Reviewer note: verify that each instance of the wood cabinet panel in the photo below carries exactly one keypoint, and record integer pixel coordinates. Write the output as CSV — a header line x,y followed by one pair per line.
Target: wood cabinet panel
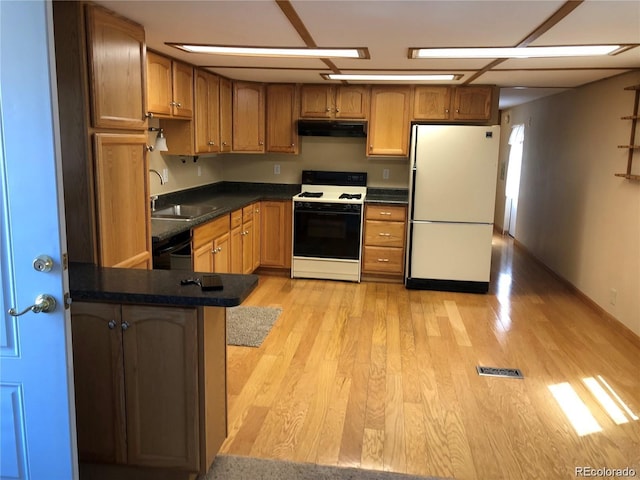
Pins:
x,y
386,212
334,101
388,133
316,101
182,90
247,247
159,84
222,254
122,198
384,234
210,230
431,103
161,371
352,101
201,258
99,382
472,103
282,132
383,260
248,117
116,53
384,240
207,112
169,87
257,235
236,249
226,115
276,234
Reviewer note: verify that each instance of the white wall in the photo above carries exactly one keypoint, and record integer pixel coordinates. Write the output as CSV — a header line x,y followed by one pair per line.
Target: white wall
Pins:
x,y
574,214
316,153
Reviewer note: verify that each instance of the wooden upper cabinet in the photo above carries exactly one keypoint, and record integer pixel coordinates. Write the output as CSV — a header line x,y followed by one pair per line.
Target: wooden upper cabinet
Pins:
x,y
207,112
472,103
432,103
248,117
352,101
169,87
116,52
122,200
159,88
334,101
226,115
282,133
182,90
388,133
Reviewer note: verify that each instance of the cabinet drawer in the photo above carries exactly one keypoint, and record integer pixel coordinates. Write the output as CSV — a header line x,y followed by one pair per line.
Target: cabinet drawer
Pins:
x,y
247,213
383,259
384,212
236,218
384,234
207,232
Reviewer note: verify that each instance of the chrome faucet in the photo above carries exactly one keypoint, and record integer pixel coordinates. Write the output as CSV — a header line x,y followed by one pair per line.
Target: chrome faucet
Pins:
x,y
154,198
159,176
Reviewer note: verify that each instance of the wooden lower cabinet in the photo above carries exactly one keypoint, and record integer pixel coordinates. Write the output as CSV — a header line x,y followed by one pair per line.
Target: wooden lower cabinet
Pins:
x,y
276,234
211,246
150,384
384,240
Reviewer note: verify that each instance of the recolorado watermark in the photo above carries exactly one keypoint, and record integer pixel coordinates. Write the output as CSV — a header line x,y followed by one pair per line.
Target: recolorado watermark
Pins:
x,y
591,472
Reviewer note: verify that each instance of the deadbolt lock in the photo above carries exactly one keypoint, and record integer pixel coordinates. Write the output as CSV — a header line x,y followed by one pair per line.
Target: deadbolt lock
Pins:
x,y
43,263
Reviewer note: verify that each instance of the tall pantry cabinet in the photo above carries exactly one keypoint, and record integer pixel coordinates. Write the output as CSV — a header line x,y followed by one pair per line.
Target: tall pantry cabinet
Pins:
x,y
100,64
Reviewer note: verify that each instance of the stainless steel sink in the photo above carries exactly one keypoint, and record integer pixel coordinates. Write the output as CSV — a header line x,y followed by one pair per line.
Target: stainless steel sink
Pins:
x,y
183,212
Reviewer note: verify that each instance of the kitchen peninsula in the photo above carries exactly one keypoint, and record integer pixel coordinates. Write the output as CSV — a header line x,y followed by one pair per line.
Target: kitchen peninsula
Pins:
x,y
150,369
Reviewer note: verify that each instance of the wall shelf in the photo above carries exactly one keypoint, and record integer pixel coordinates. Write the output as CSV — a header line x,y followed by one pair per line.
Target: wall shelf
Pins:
x,y
632,147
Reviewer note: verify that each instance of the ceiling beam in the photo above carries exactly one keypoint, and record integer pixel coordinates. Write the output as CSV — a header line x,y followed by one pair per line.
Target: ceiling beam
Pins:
x,y
297,23
550,22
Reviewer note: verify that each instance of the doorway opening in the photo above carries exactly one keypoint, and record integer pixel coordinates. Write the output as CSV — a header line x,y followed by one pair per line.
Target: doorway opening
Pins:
x,y
512,188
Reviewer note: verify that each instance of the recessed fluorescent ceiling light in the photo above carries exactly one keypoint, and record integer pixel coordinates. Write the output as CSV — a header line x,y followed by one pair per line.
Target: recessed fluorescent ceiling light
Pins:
x,y
405,78
275,51
523,52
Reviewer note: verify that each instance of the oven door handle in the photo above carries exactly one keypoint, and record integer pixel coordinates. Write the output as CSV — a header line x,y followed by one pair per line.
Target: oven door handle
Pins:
x,y
173,248
328,214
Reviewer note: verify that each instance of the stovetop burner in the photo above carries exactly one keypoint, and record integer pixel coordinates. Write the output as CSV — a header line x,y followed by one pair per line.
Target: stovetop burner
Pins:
x,y
311,194
351,196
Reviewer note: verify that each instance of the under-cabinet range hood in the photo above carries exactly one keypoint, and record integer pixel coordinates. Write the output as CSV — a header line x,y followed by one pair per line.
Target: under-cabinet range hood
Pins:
x,y
332,128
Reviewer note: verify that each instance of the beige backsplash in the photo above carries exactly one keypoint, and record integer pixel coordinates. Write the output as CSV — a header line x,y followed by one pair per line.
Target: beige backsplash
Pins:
x,y
316,153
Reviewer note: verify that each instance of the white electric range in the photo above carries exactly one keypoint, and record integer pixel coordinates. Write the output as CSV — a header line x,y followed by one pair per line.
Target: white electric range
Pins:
x,y
327,225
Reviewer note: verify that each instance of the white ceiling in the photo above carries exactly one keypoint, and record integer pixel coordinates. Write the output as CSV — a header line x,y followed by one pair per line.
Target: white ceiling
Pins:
x,y
388,28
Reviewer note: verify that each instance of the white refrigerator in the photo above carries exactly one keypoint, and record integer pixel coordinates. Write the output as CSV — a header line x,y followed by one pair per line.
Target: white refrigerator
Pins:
x,y
452,187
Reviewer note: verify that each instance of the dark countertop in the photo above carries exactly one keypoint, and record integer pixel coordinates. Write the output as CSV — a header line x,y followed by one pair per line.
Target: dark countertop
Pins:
x,y
229,197
156,287
387,195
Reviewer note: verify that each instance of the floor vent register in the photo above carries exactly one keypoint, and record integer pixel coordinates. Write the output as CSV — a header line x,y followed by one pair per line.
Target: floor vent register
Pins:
x,y
499,372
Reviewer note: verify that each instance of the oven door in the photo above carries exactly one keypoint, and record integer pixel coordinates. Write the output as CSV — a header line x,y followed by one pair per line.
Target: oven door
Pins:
x,y
327,230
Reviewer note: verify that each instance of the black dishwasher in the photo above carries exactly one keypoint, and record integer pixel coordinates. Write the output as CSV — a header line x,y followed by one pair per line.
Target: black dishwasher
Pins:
x,y
173,252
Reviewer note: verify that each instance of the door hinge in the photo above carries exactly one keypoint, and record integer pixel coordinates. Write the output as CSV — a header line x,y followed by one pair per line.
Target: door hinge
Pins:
x,y
65,261
67,300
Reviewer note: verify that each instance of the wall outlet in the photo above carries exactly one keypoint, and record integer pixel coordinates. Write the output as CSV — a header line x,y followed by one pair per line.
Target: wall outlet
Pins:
x,y
385,174
199,171
165,175
613,296
276,169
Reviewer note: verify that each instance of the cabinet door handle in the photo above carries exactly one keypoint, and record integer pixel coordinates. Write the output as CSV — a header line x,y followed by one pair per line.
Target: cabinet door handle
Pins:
x,y
383,259
384,234
178,105
212,143
111,324
124,325
261,143
385,213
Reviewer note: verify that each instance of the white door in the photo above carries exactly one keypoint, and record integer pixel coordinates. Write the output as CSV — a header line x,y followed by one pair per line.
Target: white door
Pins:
x,y
456,170
36,378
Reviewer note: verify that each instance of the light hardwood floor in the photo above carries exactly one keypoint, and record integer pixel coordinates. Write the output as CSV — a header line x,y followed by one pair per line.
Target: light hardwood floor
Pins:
x,y
375,376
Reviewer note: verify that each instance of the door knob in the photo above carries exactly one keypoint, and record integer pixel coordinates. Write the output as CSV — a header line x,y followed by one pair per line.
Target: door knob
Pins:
x,y
44,303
